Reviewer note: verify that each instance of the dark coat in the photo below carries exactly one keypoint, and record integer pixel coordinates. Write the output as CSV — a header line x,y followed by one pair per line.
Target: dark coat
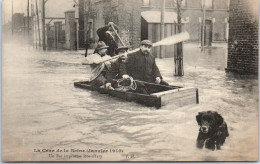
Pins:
x,y
116,71
142,67
103,36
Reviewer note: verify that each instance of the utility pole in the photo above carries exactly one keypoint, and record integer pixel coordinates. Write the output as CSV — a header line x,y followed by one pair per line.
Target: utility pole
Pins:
x,y
179,57
43,25
203,27
37,17
28,18
12,18
87,44
162,26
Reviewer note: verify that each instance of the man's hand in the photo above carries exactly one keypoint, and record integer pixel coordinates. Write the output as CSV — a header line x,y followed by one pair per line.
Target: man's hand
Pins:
x,y
157,80
109,86
105,59
110,23
125,76
110,35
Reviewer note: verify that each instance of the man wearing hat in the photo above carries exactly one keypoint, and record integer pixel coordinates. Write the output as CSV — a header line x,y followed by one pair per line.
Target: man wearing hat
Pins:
x,y
116,71
107,35
141,65
98,64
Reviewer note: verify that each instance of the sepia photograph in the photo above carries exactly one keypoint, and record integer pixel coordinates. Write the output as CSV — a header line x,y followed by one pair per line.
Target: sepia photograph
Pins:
x,y
130,80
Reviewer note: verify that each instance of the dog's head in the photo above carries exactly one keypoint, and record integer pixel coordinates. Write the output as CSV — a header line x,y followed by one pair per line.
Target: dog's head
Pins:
x,y
209,121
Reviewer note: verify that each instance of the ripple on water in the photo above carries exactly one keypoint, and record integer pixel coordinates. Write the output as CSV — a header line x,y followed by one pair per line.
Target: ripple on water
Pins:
x,y
39,94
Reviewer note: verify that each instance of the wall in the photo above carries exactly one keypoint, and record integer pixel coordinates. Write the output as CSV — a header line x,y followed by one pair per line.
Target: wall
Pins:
x,y
126,14
70,30
53,9
81,35
193,10
129,22
243,37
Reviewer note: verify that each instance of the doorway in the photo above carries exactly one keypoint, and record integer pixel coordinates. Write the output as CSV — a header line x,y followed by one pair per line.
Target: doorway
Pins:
x,y
207,33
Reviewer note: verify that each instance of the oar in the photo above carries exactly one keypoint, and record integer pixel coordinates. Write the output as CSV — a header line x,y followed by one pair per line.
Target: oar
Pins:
x,y
180,37
118,35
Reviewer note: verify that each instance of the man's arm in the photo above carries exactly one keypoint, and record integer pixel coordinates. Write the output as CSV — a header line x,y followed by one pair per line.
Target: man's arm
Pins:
x,y
92,59
156,72
112,72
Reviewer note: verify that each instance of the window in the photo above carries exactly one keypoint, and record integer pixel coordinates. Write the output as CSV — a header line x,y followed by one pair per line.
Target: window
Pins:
x,y
86,6
208,4
228,4
146,2
183,3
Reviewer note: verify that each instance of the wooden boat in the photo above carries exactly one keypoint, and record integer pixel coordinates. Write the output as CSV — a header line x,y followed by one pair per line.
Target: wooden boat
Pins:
x,y
160,94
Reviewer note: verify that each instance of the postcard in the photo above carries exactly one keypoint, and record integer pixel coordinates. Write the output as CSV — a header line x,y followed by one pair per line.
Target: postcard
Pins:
x,y
129,80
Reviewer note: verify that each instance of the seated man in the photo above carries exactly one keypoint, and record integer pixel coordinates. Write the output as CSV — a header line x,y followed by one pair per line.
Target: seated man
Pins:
x,y
99,64
141,66
116,69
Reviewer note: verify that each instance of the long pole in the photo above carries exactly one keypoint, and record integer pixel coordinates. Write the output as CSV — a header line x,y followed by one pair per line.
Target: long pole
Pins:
x,y
28,18
167,41
203,27
179,62
43,25
35,32
12,18
121,41
38,22
162,26
87,29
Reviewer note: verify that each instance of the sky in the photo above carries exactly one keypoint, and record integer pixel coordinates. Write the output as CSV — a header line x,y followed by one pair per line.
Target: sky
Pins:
x,y
19,6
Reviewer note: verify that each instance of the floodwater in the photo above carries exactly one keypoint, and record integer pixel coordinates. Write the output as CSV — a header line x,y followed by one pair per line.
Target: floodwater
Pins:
x,y
42,111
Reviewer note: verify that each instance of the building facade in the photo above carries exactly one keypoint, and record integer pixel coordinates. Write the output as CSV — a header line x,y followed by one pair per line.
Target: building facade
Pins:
x,y
21,26
140,19
216,17
136,19
243,37
61,25
126,14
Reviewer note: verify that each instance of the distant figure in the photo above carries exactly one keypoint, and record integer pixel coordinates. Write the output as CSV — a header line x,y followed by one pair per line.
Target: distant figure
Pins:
x,y
99,65
87,45
87,42
107,35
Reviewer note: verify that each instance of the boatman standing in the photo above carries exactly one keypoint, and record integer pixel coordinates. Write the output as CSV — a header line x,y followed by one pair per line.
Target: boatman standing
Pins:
x,y
99,64
107,35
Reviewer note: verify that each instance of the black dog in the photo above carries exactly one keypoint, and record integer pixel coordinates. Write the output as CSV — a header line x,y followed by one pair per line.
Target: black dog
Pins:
x,y
213,130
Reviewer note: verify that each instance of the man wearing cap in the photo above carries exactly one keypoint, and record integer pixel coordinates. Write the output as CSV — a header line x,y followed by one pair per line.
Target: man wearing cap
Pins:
x,y
117,68
98,64
107,35
141,65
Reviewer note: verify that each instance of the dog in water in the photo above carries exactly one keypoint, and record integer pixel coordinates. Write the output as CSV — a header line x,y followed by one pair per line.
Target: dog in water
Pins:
x,y
213,130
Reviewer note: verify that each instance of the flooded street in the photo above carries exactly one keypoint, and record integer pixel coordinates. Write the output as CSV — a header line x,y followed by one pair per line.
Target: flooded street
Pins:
x,y
43,110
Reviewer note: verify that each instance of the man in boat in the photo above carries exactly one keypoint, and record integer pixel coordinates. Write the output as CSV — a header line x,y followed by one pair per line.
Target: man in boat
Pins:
x,y
100,63
141,65
116,69
107,35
